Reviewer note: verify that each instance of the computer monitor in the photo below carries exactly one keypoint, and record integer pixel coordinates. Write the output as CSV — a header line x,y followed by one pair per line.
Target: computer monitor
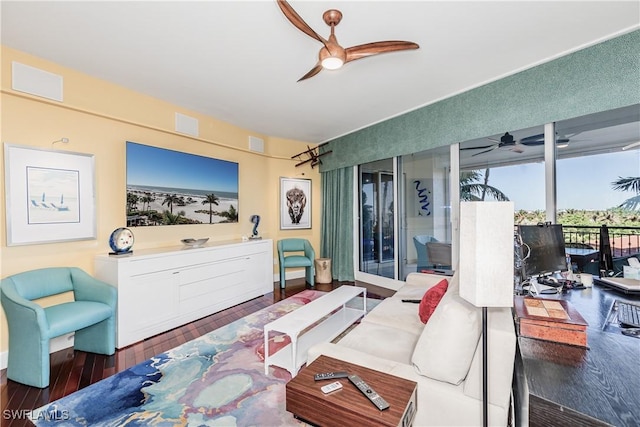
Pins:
x,y
545,243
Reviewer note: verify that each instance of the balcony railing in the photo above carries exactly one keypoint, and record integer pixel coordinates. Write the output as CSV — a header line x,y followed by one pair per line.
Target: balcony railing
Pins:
x,y
624,241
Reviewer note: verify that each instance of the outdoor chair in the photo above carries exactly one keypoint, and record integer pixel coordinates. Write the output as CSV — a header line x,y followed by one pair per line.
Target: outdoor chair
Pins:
x,y
420,243
439,254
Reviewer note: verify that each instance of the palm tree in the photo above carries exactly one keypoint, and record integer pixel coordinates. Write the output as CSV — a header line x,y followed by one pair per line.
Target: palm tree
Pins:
x,y
169,200
171,219
146,200
231,215
132,202
629,184
472,190
211,199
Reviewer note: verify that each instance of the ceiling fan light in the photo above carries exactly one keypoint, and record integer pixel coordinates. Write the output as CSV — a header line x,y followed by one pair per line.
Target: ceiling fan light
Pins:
x,y
562,144
332,63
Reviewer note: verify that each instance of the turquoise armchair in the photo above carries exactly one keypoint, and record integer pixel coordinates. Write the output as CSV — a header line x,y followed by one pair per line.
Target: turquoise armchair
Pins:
x,y
420,242
298,260
91,315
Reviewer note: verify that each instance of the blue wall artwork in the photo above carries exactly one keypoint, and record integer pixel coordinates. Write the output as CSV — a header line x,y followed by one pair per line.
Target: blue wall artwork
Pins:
x,y
423,197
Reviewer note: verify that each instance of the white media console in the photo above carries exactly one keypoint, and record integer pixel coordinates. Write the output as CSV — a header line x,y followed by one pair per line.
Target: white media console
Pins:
x,y
160,289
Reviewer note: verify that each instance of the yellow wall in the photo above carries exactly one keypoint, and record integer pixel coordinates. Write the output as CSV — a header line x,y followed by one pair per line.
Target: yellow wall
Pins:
x,y
98,117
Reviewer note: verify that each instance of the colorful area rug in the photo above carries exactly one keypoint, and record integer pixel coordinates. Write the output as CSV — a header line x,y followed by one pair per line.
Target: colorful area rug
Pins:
x,y
215,380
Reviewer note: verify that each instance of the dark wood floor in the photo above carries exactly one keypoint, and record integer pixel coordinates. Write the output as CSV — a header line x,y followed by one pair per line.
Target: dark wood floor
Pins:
x,y
73,370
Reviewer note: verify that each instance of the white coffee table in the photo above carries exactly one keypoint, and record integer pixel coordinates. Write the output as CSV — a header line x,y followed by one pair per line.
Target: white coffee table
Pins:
x,y
320,320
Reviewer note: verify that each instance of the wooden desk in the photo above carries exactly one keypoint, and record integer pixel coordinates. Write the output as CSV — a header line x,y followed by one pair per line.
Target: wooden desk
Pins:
x,y
348,406
563,385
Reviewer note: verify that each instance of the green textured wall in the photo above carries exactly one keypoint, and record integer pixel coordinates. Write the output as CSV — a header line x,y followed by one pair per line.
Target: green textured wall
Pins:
x,y
595,79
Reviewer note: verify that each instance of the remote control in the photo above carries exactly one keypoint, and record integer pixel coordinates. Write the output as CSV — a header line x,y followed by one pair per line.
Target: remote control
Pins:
x,y
631,332
330,375
374,397
331,387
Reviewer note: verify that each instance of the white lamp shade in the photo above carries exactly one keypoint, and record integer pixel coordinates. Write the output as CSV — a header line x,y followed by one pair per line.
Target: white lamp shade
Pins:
x,y
485,268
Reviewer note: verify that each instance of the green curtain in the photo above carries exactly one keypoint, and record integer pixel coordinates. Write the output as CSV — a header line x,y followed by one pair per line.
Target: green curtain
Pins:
x,y
336,233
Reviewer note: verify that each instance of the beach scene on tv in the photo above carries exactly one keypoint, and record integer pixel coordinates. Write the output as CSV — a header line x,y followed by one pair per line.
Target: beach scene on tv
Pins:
x,y
167,187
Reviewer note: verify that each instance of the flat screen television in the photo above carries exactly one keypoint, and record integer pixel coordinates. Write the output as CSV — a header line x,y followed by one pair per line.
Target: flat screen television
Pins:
x,y
545,243
167,187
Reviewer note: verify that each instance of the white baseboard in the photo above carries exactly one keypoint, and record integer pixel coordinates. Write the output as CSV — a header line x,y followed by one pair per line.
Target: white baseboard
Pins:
x,y
56,344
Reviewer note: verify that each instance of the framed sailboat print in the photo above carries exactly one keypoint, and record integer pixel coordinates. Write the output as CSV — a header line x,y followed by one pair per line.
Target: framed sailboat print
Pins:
x,y
50,195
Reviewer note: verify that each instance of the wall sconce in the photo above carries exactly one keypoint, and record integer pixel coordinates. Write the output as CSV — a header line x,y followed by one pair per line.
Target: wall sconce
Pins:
x,y
63,140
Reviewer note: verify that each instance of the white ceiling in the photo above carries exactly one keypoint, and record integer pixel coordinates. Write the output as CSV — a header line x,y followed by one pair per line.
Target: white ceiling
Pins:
x,y
239,61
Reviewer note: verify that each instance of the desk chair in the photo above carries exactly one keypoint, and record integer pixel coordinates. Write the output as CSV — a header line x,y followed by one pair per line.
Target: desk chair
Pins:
x,y
91,316
306,259
439,254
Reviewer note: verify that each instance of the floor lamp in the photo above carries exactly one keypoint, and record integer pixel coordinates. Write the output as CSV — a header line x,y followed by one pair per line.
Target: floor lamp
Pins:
x,y
486,267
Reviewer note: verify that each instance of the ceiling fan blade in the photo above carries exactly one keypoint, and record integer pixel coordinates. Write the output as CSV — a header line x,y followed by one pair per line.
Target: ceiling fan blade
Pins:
x,y
477,148
532,144
298,22
485,151
315,70
368,49
539,140
517,148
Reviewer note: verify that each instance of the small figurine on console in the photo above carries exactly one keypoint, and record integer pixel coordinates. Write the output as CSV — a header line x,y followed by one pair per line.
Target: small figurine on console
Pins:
x,y
255,219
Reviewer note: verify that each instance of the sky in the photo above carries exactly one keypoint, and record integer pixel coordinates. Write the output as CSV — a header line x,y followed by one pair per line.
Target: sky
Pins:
x,y
151,166
582,182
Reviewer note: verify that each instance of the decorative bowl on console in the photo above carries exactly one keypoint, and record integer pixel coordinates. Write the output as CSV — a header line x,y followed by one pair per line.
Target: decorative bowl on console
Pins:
x,y
194,243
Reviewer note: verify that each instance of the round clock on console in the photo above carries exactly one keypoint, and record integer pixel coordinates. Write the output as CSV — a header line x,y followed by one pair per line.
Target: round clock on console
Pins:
x,y
121,241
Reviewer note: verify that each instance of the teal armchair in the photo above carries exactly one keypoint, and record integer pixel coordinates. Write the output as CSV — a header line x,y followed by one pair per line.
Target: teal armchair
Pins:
x,y
306,259
420,243
91,316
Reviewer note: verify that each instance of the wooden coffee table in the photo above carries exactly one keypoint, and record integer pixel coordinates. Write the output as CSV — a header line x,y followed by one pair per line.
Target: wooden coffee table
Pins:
x,y
349,406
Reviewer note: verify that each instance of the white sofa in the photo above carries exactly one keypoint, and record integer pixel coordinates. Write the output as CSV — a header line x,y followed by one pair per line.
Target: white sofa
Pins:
x,y
443,356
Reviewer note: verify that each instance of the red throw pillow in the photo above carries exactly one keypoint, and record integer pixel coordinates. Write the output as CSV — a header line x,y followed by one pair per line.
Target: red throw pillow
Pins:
x,y
431,299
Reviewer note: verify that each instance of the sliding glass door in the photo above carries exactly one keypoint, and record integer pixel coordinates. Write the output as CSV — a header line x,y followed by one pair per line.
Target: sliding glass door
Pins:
x,y
377,220
425,214
403,202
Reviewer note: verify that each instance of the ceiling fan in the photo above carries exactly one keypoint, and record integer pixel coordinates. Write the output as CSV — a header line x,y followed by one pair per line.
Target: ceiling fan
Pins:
x,y
506,140
333,56
516,146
